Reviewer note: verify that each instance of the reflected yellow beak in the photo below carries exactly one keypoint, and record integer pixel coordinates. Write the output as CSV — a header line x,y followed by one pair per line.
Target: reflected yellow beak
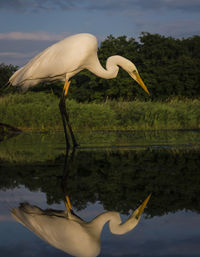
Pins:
x,y
137,77
142,206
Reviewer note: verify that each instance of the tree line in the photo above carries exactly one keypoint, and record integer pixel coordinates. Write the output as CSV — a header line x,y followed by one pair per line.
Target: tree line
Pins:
x,y
169,67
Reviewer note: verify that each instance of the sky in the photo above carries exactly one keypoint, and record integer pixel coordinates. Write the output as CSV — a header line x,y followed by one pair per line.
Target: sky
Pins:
x,y
29,26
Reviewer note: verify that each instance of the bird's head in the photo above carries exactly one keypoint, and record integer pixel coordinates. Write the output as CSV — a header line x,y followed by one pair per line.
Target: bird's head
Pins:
x,y
133,72
129,67
119,228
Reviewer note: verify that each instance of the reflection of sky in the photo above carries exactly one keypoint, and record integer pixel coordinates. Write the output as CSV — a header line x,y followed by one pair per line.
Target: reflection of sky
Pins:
x,y
176,235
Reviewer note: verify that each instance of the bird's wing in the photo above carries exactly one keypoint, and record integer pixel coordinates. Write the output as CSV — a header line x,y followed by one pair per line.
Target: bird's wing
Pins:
x,y
68,55
63,233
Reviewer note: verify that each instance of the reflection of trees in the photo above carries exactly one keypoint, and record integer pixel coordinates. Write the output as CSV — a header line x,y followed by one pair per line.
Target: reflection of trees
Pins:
x,y
117,179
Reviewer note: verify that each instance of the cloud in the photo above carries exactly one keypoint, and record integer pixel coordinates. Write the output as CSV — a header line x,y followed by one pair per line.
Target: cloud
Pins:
x,y
16,55
192,5
19,47
4,218
40,36
179,29
184,5
105,5
35,5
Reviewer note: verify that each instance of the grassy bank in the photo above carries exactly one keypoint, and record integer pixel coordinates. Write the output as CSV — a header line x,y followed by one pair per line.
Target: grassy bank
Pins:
x,y
39,111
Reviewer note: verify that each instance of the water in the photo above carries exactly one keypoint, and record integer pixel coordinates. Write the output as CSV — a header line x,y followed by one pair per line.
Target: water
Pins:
x,y
111,172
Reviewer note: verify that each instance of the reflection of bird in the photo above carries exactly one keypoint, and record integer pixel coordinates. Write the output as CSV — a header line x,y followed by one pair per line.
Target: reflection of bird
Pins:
x,y
66,58
66,231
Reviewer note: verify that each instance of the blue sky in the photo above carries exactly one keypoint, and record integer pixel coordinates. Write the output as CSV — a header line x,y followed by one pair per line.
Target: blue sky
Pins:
x,y
29,26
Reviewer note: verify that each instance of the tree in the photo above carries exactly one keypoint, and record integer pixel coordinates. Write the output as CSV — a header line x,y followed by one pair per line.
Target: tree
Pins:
x,y
6,72
171,66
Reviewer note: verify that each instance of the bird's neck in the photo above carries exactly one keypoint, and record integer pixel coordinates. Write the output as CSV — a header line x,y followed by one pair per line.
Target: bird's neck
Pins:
x,y
98,223
115,223
112,68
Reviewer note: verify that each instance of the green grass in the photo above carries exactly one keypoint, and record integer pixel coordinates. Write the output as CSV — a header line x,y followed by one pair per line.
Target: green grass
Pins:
x,y
40,112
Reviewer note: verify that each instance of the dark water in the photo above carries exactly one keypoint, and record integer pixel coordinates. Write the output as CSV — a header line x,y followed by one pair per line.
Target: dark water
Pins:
x,y
111,172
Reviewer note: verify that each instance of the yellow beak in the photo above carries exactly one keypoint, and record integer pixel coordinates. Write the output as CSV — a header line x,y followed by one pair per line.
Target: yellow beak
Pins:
x,y
137,77
142,206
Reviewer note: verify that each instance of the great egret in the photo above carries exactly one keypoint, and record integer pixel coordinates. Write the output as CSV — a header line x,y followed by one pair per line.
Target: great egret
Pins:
x,y
65,59
69,233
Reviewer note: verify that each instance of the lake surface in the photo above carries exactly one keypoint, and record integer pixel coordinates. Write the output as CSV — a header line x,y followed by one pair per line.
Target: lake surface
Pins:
x,y
112,171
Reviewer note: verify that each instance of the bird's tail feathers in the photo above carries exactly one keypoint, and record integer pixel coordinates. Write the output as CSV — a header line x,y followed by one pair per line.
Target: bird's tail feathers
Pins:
x,y
16,77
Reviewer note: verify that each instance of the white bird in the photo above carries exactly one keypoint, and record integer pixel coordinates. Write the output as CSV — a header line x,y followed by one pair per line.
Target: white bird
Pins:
x,y
65,59
69,233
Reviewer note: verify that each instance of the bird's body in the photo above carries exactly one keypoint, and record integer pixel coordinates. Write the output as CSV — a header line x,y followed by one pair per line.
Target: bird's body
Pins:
x,y
69,233
65,59
60,61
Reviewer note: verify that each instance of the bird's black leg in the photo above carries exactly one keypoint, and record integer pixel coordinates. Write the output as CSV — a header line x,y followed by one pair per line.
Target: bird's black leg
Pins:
x,y
65,90
75,144
68,166
64,123
65,173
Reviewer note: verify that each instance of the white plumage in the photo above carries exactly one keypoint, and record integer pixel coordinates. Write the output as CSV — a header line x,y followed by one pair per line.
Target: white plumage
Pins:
x,y
71,234
58,62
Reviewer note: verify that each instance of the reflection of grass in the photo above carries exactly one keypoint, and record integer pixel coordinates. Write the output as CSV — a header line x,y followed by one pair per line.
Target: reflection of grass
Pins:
x,y
7,131
29,148
39,111
35,147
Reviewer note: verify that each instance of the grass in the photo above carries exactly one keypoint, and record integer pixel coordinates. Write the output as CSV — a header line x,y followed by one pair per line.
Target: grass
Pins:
x,y
40,112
